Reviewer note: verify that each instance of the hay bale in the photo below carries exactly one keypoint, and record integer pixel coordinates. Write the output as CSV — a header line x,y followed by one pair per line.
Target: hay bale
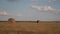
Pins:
x,y
11,20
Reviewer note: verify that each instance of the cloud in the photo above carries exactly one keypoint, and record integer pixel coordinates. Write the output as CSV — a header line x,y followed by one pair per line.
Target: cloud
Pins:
x,y
34,0
44,0
14,15
11,0
43,8
9,14
51,0
3,12
19,14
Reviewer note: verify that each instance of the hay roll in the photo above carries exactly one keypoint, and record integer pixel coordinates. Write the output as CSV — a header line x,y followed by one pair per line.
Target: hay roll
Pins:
x,y
11,20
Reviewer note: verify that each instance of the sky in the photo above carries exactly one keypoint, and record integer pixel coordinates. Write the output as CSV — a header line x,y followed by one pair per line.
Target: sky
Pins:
x,y
30,10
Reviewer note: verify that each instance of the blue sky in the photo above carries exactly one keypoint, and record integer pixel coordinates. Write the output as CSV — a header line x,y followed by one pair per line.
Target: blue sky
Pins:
x,y
28,10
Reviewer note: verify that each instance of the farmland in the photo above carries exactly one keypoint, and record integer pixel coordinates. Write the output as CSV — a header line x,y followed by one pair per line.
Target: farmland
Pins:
x,y
30,27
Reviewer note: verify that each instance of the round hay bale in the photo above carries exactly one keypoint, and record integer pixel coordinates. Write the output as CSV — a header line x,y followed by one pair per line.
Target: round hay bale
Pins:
x,y
11,20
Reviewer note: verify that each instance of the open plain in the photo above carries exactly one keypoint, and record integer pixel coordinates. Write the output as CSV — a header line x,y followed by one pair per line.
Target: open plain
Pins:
x,y
30,27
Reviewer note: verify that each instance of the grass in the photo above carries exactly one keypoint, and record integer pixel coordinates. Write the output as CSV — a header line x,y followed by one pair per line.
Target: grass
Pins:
x,y
30,27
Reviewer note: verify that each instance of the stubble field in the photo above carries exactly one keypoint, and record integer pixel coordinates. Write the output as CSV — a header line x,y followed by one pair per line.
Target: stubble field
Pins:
x,y
30,27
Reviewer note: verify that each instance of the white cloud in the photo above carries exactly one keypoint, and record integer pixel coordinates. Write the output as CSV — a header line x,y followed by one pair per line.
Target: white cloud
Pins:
x,y
9,14
14,15
3,12
19,15
48,8
51,0
44,0
43,8
34,0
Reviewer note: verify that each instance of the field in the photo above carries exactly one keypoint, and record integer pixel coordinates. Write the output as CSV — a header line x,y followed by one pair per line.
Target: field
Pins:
x,y
30,27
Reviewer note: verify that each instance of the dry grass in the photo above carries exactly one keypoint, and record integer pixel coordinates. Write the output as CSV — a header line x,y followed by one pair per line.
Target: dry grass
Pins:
x,y
32,27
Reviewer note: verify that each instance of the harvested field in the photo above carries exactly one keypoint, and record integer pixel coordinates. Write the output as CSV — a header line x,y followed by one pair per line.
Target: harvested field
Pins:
x,y
30,27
